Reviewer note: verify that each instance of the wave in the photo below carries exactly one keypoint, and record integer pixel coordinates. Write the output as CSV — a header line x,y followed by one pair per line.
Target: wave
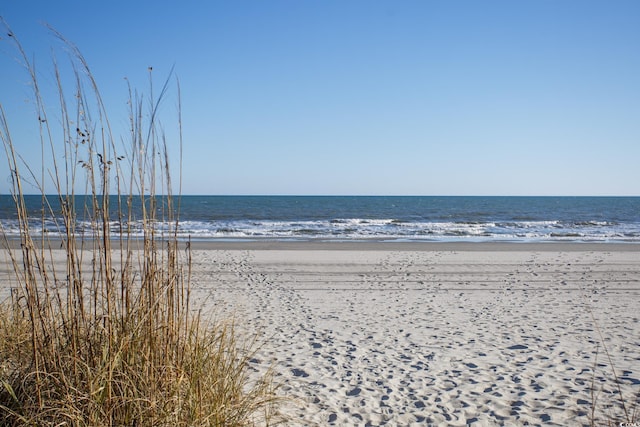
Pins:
x,y
361,228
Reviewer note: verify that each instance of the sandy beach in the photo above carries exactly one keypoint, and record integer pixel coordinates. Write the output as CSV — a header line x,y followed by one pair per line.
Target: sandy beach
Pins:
x,y
442,334
401,334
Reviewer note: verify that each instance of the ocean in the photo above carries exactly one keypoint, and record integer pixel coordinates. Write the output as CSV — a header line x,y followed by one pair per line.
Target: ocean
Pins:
x,y
385,218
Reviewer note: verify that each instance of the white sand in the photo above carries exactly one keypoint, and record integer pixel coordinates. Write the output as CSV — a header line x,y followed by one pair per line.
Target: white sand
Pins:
x,y
442,334
485,335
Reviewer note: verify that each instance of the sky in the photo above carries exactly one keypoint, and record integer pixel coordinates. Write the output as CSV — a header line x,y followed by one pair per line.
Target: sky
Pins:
x,y
355,97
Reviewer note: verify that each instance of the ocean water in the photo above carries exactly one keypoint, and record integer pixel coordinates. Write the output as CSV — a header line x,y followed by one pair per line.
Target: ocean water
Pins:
x,y
388,218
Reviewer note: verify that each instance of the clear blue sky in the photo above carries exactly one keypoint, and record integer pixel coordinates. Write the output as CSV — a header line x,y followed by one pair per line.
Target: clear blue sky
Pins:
x,y
538,97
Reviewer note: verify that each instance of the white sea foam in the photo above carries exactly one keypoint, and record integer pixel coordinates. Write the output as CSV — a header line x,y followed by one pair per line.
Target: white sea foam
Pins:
x,y
358,228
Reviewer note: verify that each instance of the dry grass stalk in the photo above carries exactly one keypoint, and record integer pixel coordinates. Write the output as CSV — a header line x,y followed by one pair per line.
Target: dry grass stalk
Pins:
x,y
101,332
609,405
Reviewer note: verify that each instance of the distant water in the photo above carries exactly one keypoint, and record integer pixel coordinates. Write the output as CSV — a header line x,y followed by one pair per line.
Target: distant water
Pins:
x,y
393,218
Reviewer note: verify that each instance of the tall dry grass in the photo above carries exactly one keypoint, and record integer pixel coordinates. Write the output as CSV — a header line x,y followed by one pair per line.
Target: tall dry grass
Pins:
x,y
100,329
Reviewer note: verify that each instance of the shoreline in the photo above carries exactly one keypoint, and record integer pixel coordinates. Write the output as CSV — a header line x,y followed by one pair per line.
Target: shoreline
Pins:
x,y
371,245
384,245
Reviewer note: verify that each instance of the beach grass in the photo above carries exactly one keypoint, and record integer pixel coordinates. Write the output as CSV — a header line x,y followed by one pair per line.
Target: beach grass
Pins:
x,y
610,406
100,328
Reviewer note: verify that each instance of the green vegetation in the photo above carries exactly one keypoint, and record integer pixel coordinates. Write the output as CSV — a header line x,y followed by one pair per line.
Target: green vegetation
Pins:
x,y
100,329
